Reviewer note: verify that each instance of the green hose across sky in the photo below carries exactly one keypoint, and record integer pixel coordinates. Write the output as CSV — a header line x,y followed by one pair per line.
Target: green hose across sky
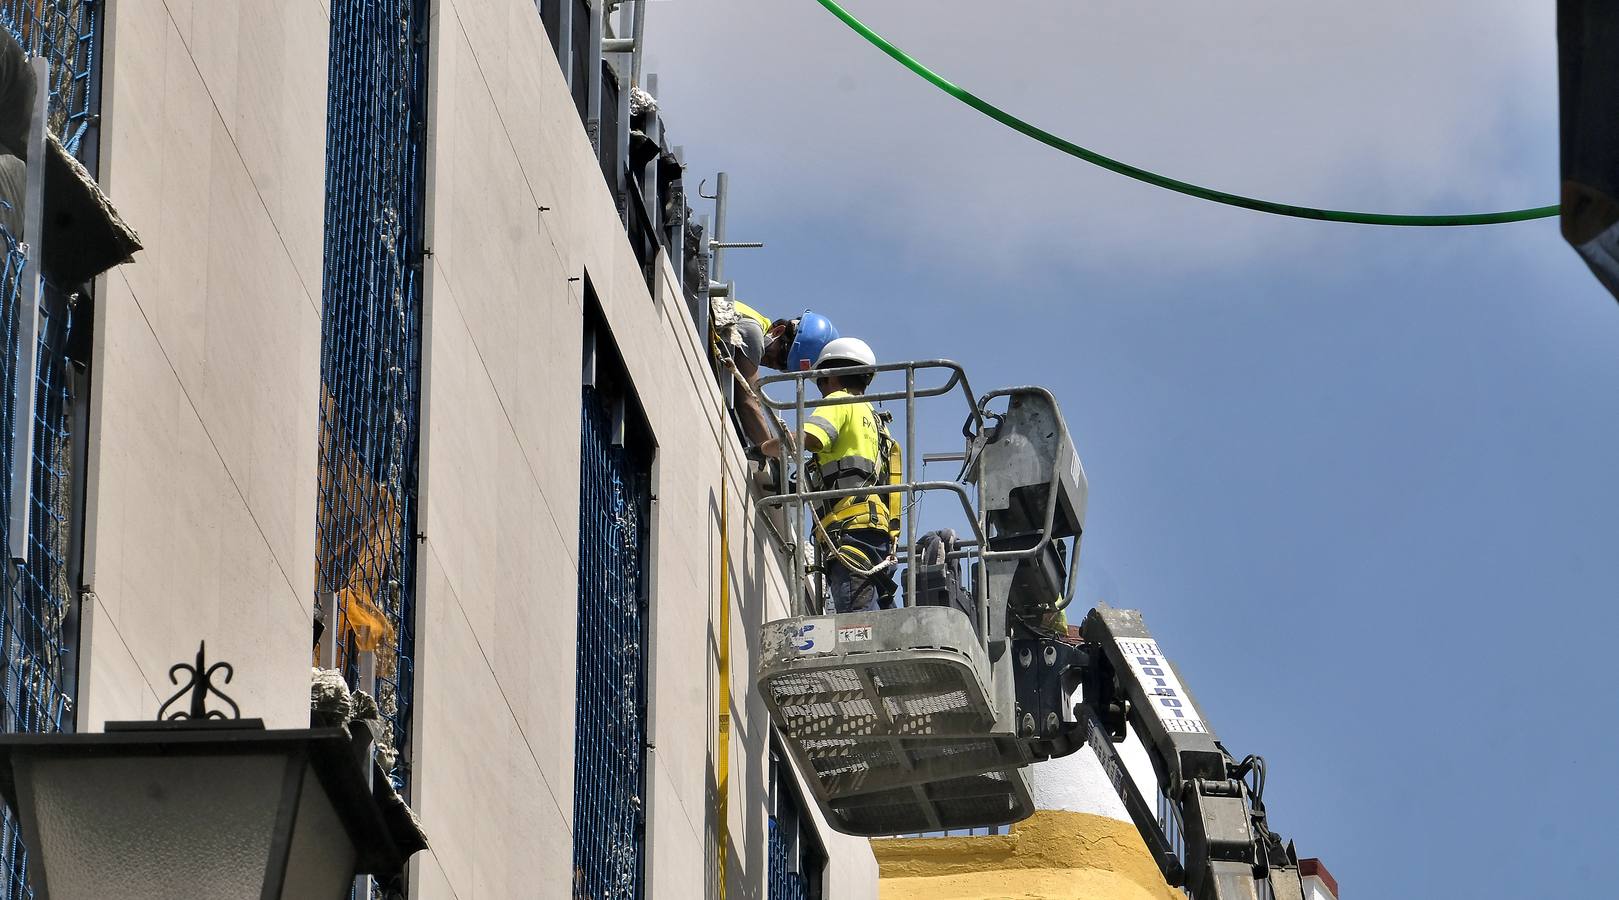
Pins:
x,y
1191,190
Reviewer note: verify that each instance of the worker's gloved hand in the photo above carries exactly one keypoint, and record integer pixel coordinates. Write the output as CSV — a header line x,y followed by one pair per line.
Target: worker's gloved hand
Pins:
x,y
755,454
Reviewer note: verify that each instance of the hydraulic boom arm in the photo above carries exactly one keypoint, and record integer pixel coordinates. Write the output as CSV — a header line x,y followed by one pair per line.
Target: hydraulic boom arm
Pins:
x,y
1229,851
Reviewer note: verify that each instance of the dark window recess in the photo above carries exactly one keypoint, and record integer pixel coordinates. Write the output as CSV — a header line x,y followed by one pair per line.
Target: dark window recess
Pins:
x,y
583,58
610,736
612,149
551,17
796,860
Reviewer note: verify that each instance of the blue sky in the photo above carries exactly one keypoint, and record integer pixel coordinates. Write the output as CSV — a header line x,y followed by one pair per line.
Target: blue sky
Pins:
x,y
1360,481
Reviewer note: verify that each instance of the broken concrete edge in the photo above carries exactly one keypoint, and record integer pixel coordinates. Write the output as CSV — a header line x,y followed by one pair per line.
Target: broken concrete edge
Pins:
x,y
84,235
332,703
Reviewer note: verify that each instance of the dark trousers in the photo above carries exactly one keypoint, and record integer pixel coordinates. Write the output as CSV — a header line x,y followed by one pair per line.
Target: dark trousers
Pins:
x,y
852,591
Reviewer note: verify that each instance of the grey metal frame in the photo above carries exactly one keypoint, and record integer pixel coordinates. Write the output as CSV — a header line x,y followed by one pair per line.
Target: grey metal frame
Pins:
x,y
27,362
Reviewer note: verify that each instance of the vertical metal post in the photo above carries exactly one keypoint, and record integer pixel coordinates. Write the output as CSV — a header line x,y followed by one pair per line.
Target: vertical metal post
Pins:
x,y
368,669
328,635
716,265
564,42
368,683
651,176
981,577
716,269
638,33
27,361
621,144
910,479
799,579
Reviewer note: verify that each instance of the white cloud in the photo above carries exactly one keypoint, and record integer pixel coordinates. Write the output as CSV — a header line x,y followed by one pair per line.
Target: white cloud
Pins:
x,y
1382,105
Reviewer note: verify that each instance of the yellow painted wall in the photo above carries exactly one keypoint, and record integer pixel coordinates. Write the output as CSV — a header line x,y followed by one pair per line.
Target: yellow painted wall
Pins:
x,y
1053,855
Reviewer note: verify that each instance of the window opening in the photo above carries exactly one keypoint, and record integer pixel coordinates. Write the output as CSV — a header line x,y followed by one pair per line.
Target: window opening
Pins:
x,y
371,341
797,860
39,612
610,736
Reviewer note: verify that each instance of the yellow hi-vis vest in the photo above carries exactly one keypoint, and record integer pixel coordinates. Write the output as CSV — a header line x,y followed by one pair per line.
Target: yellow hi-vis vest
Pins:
x,y
748,312
744,311
856,451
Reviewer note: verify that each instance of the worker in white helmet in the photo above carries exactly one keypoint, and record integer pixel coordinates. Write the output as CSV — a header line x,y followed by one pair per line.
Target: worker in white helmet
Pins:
x,y
852,448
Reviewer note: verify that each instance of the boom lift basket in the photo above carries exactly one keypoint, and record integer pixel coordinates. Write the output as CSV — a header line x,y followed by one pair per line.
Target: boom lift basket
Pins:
x,y
907,719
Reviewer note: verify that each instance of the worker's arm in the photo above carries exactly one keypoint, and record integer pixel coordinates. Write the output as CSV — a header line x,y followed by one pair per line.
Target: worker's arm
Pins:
x,y
820,431
772,447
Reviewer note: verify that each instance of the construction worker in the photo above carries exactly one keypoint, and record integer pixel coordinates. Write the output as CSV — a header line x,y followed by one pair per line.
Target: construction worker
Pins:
x,y
788,345
852,448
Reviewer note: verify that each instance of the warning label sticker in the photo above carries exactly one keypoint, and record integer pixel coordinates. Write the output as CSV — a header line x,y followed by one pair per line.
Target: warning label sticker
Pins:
x,y
854,633
1169,699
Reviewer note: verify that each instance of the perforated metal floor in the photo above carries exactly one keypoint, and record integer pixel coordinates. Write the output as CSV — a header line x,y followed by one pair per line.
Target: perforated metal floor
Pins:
x,y
989,798
894,727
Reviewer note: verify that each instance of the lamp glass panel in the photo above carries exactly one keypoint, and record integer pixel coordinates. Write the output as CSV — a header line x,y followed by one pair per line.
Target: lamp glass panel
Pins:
x,y
155,827
321,864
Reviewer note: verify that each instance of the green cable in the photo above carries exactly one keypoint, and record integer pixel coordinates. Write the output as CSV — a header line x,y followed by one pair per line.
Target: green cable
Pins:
x,y
1129,171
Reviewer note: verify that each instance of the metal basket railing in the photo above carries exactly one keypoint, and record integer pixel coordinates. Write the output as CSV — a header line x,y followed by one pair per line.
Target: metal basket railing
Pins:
x,y
797,497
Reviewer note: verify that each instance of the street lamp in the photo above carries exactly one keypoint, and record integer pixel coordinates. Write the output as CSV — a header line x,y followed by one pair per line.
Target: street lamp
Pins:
x,y
203,806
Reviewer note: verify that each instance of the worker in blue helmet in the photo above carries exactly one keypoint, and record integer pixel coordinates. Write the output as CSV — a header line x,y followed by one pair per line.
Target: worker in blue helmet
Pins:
x,y
787,345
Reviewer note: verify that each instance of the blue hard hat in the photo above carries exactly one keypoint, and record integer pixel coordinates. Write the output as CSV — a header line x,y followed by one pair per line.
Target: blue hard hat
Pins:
x,y
814,332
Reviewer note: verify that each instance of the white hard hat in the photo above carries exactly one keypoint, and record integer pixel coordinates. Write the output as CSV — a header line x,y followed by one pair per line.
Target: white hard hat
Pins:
x,y
846,350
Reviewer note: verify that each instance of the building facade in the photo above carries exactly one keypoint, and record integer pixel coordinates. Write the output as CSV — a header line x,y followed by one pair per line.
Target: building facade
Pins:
x,y
413,378
403,352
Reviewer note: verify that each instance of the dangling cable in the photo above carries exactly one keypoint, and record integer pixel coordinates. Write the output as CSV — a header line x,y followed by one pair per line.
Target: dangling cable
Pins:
x,y
1163,181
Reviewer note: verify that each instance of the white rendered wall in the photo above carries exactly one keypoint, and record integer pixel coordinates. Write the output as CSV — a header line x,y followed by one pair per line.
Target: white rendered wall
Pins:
x,y
1077,782
1316,889
205,382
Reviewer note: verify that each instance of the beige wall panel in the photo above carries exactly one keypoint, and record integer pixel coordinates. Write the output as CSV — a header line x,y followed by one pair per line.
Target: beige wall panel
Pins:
x,y
180,556
678,855
123,690
498,827
281,80
201,507
682,713
428,881
167,194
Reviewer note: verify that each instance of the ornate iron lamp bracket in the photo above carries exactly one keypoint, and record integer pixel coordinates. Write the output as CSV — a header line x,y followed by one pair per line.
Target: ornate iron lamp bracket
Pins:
x,y
199,687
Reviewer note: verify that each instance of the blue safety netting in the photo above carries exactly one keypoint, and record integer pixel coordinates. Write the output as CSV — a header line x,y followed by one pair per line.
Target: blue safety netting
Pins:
x,y
37,664
609,784
785,884
66,33
371,347
38,636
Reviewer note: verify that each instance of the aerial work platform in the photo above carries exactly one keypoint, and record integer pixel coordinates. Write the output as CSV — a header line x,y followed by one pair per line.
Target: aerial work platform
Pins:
x,y
906,719
925,717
